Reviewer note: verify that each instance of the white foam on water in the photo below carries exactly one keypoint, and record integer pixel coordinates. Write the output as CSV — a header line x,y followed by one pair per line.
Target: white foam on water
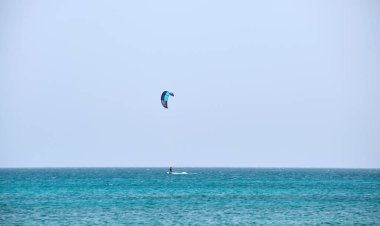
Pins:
x,y
177,173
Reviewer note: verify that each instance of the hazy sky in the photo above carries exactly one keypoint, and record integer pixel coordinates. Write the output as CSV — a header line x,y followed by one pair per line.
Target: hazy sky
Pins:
x,y
256,83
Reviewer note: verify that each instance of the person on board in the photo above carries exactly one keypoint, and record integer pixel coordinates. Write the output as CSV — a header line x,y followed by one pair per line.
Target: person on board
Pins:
x,y
170,170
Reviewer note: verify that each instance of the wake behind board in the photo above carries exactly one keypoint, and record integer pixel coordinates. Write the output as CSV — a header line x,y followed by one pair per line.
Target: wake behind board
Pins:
x,y
177,173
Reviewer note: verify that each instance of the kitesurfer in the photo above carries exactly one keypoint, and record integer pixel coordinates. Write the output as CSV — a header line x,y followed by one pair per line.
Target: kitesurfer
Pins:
x,y
170,170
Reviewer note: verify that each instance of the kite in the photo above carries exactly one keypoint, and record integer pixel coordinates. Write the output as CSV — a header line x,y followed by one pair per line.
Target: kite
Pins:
x,y
164,98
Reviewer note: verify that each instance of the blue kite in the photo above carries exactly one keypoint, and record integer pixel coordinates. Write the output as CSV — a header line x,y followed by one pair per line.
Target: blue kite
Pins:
x,y
164,98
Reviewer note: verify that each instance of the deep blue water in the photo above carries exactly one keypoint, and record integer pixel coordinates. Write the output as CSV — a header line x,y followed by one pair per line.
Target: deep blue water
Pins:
x,y
234,196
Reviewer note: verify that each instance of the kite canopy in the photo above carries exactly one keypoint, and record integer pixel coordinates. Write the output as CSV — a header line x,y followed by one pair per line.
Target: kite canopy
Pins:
x,y
164,98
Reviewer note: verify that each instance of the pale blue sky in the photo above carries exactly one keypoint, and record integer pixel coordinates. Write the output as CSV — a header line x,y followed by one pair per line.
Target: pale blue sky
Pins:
x,y
256,83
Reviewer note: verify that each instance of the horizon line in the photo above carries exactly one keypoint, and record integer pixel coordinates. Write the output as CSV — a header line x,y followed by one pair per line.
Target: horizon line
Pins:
x,y
164,167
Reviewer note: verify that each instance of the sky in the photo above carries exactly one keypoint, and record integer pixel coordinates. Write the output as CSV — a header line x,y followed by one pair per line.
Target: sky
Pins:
x,y
257,83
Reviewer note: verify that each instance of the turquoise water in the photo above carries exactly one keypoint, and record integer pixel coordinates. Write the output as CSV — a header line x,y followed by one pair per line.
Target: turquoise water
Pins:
x,y
117,196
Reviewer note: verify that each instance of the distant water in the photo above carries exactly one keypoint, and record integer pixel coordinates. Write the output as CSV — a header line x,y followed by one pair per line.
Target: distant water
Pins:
x,y
89,196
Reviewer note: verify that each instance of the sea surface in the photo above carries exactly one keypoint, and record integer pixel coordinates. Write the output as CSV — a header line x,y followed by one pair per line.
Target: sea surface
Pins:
x,y
219,196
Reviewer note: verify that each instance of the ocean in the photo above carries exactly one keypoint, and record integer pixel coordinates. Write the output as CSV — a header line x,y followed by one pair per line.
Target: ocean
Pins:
x,y
217,196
